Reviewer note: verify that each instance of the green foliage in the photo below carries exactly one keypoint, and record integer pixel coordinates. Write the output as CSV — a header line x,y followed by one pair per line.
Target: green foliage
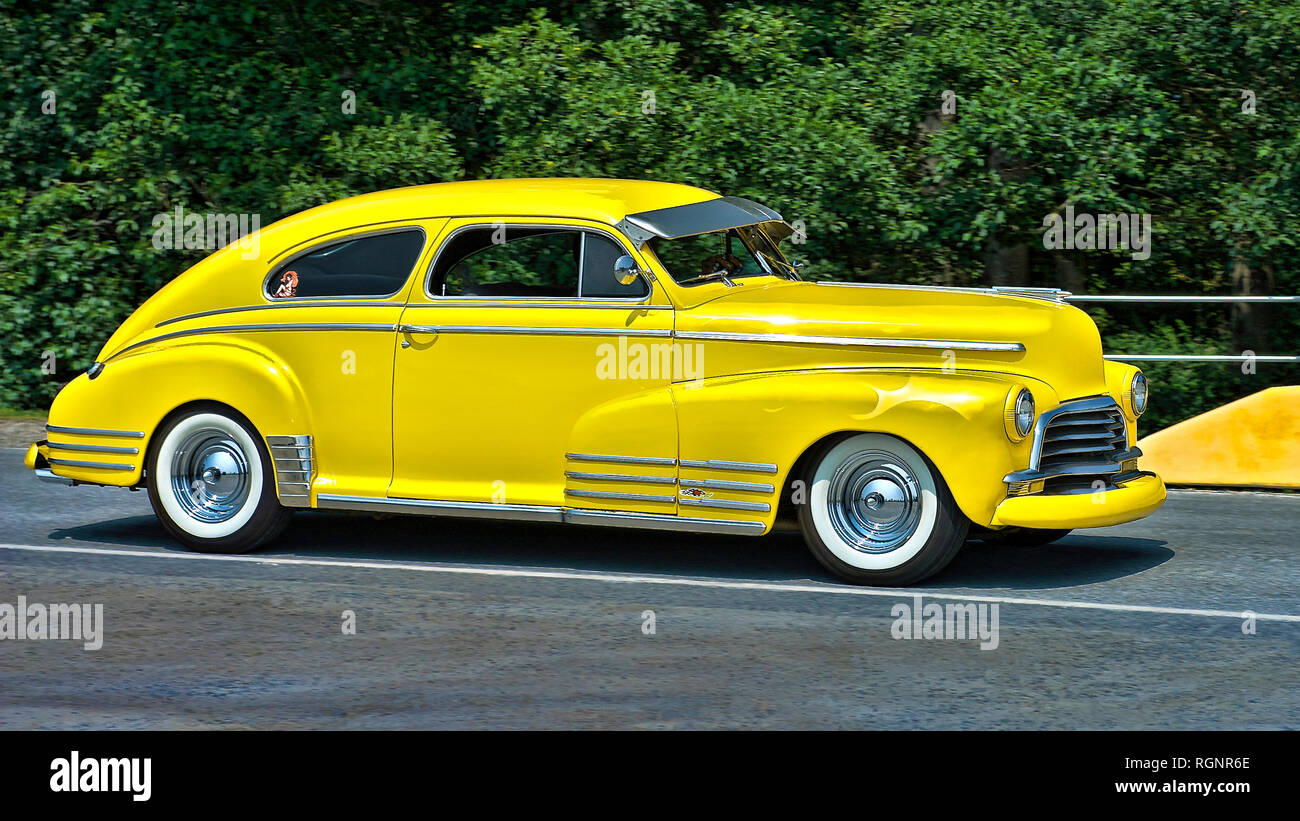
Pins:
x,y
830,113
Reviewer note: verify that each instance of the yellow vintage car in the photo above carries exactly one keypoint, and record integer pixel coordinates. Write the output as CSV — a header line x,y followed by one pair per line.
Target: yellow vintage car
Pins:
x,y
600,352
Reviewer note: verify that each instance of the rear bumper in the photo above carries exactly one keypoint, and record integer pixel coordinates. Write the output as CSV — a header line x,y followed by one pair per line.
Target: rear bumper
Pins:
x,y
1133,499
34,460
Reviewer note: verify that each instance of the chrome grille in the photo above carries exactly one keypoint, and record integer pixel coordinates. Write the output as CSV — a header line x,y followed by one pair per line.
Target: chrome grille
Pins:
x,y
1073,438
1075,445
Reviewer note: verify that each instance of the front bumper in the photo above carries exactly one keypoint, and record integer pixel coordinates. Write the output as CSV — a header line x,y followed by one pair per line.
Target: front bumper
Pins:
x,y
1132,499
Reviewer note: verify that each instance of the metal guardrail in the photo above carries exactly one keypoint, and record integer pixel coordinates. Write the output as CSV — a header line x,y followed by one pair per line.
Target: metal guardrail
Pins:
x,y
1065,295
1177,357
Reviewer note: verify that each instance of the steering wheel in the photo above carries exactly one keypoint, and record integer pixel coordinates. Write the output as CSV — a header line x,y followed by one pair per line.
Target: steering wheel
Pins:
x,y
720,264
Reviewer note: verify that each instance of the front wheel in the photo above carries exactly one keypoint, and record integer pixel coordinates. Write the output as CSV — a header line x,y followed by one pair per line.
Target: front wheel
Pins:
x,y
211,483
878,512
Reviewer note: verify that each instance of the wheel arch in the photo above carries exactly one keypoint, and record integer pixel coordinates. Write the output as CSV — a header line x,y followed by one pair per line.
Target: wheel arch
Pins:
x,y
955,420
145,390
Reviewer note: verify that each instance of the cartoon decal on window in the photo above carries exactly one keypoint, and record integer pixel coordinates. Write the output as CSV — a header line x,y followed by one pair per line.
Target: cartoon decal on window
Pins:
x,y
288,285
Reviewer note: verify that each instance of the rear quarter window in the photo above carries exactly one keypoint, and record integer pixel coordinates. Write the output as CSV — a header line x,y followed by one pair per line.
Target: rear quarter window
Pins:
x,y
376,265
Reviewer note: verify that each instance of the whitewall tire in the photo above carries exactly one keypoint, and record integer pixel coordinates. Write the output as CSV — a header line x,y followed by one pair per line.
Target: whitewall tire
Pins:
x,y
878,512
211,483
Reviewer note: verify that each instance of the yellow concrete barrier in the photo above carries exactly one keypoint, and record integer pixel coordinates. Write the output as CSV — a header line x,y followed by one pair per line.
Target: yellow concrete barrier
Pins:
x,y
1253,442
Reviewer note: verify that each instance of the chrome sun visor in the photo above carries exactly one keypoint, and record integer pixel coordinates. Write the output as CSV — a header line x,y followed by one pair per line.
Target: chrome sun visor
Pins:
x,y
701,218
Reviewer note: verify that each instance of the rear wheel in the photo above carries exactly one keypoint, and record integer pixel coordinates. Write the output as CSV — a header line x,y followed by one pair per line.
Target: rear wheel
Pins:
x,y
878,512
211,483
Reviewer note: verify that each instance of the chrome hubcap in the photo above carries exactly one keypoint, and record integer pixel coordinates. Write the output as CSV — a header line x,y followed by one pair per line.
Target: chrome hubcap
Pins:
x,y
210,475
874,501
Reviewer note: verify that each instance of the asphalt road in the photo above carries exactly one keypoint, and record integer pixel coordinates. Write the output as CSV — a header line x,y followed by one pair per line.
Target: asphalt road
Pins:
x,y
463,624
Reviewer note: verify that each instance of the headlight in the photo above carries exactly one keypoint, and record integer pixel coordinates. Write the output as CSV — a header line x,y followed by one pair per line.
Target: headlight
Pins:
x,y
1137,393
1019,413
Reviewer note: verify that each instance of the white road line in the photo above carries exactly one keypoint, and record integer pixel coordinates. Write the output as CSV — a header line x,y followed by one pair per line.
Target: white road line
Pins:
x,y
628,578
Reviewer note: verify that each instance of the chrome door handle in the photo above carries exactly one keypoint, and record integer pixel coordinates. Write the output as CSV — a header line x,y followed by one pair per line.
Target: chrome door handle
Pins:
x,y
415,329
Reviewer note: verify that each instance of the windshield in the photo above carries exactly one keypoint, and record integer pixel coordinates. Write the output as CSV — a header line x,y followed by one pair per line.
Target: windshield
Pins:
x,y
721,255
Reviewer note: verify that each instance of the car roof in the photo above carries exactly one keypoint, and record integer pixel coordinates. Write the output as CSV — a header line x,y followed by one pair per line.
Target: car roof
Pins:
x,y
600,200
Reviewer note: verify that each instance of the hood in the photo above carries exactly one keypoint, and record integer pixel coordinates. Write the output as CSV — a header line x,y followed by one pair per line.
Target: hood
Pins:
x,y
1061,344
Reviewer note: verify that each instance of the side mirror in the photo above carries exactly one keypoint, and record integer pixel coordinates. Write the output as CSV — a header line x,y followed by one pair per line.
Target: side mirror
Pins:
x,y
626,270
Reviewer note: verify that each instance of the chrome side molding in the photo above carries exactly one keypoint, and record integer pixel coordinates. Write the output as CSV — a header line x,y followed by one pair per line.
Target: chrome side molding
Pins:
x,y
586,303
723,464
292,459
92,448
623,497
854,341
323,302
125,434
428,507
726,484
626,460
539,513
288,326
78,463
619,477
536,330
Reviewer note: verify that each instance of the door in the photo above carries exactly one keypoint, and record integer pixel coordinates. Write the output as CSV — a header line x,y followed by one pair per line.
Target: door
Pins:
x,y
527,374
328,312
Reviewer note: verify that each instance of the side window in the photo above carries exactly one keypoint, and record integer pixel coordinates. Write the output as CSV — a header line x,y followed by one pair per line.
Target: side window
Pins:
x,y
375,265
509,262
598,255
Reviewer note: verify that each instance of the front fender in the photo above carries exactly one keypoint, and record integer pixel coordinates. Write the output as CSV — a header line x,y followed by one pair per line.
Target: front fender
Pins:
x,y
134,393
955,419
1118,375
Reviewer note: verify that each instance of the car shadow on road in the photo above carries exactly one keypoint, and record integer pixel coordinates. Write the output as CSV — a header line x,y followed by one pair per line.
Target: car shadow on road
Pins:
x,y
1076,560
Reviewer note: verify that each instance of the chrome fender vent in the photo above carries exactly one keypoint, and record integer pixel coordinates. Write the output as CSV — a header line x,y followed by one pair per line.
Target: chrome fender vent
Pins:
x,y
292,458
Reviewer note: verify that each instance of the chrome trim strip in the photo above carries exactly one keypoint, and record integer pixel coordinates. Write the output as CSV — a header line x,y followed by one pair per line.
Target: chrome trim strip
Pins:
x,y
481,302
1049,294
289,326
526,330
125,434
654,521
626,460
291,459
722,464
727,504
541,513
620,477
47,475
853,341
626,497
428,507
77,463
723,484
92,448
369,303
1185,298
953,289
417,329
